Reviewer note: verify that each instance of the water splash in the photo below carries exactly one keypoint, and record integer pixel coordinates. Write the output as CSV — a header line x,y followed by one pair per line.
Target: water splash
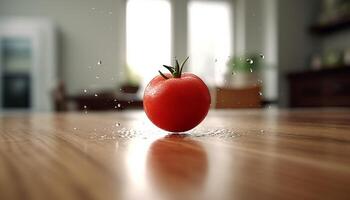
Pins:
x,y
128,133
218,133
250,61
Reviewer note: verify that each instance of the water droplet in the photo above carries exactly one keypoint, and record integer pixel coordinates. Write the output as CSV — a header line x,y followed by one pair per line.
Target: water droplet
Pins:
x,y
115,106
250,61
86,112
262,131
85,90
75,128
99,62
115,100
85,106
110,12
262,56
96,95
118,105
93,8
97,76
234,73
117,124
216,60
251,70
260,93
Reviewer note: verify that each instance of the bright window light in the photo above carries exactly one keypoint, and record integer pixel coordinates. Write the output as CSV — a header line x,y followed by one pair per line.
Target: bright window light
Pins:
x,y
148,32
210,39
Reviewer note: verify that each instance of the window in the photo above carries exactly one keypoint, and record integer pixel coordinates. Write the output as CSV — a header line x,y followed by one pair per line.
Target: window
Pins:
x,y
148,32
210,39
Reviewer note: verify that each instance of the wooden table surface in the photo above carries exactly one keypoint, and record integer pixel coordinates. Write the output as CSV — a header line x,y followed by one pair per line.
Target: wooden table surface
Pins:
x,y
251,154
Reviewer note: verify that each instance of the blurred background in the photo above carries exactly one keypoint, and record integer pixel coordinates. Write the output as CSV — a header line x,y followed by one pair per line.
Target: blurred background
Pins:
x,y
92,55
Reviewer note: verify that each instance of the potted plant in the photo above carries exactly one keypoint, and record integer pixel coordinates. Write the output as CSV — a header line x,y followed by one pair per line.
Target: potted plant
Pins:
x,y
243,71
132,83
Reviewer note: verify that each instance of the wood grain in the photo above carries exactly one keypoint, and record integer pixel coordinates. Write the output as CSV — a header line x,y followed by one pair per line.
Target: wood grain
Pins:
x,y
248,154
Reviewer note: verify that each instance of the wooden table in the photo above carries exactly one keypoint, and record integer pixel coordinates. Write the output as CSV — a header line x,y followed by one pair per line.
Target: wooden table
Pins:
x,y
267,154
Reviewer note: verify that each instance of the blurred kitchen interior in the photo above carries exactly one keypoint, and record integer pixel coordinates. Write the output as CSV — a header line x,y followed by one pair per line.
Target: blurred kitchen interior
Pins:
x,y
99,54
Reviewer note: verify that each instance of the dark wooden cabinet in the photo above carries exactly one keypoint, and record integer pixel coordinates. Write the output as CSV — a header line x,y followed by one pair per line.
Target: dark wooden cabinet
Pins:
x,y
325,88
107,101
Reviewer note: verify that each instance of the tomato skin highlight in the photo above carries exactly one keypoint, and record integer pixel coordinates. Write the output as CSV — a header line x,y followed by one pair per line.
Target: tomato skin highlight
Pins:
x,y
176,104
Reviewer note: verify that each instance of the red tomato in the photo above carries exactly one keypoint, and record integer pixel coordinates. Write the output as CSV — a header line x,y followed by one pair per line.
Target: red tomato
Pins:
x,y
176,102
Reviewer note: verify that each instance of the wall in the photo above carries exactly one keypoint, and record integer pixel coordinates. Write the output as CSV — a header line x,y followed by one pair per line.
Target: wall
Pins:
x,y
279,30
89,32
295,44
256,33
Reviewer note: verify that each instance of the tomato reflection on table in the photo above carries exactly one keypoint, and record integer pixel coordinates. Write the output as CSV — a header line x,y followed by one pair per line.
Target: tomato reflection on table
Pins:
x,y
177,163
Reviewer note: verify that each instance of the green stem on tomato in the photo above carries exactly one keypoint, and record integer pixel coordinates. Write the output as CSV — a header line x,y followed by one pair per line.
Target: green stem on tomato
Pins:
x,y
182,65
174,71
162,74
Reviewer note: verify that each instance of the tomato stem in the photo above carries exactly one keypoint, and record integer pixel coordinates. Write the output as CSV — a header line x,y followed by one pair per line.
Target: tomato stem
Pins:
x,y
162,74
175,71
182,65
